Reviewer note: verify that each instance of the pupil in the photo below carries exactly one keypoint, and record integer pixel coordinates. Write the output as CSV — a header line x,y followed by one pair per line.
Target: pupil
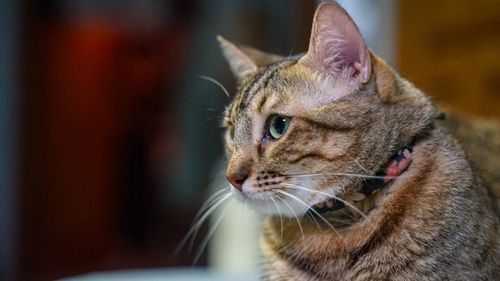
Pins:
x,y
280,125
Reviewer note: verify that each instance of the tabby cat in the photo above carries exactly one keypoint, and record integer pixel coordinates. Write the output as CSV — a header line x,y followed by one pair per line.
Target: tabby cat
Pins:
x,y
348,163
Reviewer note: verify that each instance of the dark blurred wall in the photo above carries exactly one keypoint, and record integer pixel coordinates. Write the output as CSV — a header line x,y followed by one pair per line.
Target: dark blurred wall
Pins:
x,y
119,136
9,123
99,89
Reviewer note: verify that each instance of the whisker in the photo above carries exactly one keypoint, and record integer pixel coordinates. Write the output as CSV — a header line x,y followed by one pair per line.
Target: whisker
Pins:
x,y
279,213
217,202
339,174
341,221
357,163
210,200
314,211
209,235
329,195
191,234
300,202
296,217
210,79
313,219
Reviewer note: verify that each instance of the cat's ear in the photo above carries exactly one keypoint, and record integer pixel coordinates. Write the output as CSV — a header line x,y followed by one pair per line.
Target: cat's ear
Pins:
x,y
244,60
336,47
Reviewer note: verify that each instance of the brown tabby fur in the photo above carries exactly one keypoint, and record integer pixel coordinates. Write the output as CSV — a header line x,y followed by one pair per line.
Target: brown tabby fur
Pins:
x,y
481,140
436,221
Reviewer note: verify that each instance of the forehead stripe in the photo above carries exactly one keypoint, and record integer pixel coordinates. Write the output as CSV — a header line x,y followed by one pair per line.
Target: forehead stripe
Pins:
x,y
261,80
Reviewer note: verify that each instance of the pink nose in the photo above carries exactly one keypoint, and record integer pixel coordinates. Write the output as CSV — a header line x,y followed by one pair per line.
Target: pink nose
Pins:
x,y
237,179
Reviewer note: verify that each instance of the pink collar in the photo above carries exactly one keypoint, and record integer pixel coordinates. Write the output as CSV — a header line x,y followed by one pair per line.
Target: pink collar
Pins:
x,y
396,166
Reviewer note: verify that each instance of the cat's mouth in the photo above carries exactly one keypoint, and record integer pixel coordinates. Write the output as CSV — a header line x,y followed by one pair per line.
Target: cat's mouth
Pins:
x,y
329,205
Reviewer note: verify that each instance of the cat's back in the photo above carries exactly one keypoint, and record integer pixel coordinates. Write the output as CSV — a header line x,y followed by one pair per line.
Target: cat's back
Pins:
x,y
481,140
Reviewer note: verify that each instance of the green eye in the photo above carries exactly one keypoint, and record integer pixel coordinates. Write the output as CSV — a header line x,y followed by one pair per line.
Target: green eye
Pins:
x,y
277,126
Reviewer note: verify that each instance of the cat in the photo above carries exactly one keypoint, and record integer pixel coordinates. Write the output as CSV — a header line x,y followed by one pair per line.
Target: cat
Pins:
x,y
351,168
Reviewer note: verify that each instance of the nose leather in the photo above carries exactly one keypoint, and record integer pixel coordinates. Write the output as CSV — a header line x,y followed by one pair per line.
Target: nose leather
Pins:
x,y
237,179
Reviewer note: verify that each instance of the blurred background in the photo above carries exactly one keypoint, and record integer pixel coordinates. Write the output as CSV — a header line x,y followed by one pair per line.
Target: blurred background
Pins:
x,y
110,142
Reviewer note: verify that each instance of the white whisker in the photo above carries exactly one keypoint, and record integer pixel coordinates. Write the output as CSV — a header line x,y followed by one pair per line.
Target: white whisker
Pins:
x,y
338,174
357,163
209,235
191,234
216,83
301,203
314,211
279,213
326,194
211,207
295,215
210,200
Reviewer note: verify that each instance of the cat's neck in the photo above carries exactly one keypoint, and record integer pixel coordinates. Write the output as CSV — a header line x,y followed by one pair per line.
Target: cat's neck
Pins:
x,y
362,197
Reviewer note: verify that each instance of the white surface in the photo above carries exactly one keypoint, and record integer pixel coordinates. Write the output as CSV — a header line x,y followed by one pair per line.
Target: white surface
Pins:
x,y
164,275
235,245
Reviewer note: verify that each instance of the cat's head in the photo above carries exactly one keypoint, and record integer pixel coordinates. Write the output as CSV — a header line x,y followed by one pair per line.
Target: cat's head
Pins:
x,y
299,128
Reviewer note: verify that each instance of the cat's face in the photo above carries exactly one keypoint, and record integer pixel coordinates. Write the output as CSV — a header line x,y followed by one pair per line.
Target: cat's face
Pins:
x,y
299,130
278,142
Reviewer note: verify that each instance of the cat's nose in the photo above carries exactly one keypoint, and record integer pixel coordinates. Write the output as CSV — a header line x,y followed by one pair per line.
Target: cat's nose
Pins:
x,y
237,179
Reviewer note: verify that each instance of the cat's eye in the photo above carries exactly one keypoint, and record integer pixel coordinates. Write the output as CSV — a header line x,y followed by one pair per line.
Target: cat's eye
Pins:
x,y
277,126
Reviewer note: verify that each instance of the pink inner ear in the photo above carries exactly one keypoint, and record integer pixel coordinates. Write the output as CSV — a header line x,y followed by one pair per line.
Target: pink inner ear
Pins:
x,y
337,47
339,53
